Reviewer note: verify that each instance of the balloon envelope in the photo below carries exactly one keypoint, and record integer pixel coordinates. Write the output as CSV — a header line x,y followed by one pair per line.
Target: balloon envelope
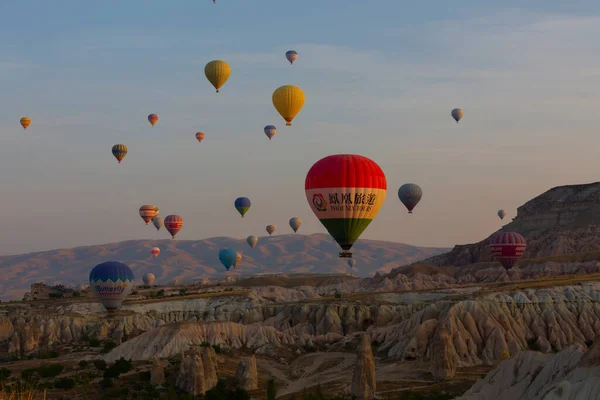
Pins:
x,y
148,212
252,241
238,258
119,151
410,194
155,251
111,282
199,136
291,56
173,224
351,262
501,214
217,72
270,229
288,101
148,278
457,114
508,248
345,191
153,119
158,223
270,131
295,223
227,257
242,204
25,122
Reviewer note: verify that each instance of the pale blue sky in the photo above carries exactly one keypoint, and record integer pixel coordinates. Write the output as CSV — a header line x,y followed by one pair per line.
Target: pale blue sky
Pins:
x,y
380,79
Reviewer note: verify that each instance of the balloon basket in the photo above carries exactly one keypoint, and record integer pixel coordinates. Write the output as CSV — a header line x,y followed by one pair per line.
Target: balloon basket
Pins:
x,y
345,254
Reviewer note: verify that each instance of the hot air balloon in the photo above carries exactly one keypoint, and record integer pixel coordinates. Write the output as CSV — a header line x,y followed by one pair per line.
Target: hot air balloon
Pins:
x,y
410,194
111,282
242,204
217,72
148,278
507,248
351,262
345,191
199,136
457,114
155,251
270,131
153,119
501,214
291,56
25,122
252,241
173,224
238,258
228,257
288,101
148,212
158,223
119,151
270,229
295,223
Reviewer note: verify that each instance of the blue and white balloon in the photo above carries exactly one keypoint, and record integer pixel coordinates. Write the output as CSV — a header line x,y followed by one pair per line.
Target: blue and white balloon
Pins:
x,y
111,282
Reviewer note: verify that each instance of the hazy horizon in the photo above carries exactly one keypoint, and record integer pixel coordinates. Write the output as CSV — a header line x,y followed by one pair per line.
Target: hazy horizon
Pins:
x,y
89,74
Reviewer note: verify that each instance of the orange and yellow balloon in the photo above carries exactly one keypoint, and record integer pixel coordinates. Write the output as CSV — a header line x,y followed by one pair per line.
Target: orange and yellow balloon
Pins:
x,y
25,122
217,72
200,136
153,119
288,101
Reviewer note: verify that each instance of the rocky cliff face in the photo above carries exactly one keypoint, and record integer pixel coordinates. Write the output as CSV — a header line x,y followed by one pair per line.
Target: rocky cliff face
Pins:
x,y
572,374
563,220
246,375
363,380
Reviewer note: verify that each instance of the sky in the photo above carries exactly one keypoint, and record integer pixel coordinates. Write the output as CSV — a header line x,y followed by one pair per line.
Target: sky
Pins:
x,y
380,79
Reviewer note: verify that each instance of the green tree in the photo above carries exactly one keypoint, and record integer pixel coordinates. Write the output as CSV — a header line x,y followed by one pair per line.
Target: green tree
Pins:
x,y
271,389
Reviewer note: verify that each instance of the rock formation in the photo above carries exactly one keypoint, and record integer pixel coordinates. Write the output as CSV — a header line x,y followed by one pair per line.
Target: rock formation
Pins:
x,y
157,373
563,220
246,376
569,375
443,364
197,373
363,380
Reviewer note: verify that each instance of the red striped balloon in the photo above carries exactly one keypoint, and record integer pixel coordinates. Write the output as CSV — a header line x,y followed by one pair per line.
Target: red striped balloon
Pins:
x,y
345,191
508,248
173,224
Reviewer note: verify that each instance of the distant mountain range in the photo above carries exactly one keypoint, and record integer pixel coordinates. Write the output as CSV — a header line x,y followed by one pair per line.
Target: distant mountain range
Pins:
x,y
189,260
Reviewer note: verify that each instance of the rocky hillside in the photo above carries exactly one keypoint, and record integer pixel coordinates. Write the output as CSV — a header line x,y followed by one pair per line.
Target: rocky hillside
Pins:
x,y
571,374
190,260
563,220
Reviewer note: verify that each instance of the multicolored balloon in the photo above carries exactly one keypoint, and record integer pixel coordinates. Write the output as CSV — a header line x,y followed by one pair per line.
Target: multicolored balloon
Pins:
x,y
155,251
501,214
410,194
148,278
217,72
508,248
158,223
291,56
227,257
148,212
238,258
153,119
111,282
345,191
295,223
288,101
351,262
270,229
25,122
173,224
252,241
457,114
199,136
242,204
119,151
270,131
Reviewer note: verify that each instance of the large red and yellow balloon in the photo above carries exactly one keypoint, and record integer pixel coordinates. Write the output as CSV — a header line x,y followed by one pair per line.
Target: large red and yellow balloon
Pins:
x,y
173,224
153,119
148,212
345,191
